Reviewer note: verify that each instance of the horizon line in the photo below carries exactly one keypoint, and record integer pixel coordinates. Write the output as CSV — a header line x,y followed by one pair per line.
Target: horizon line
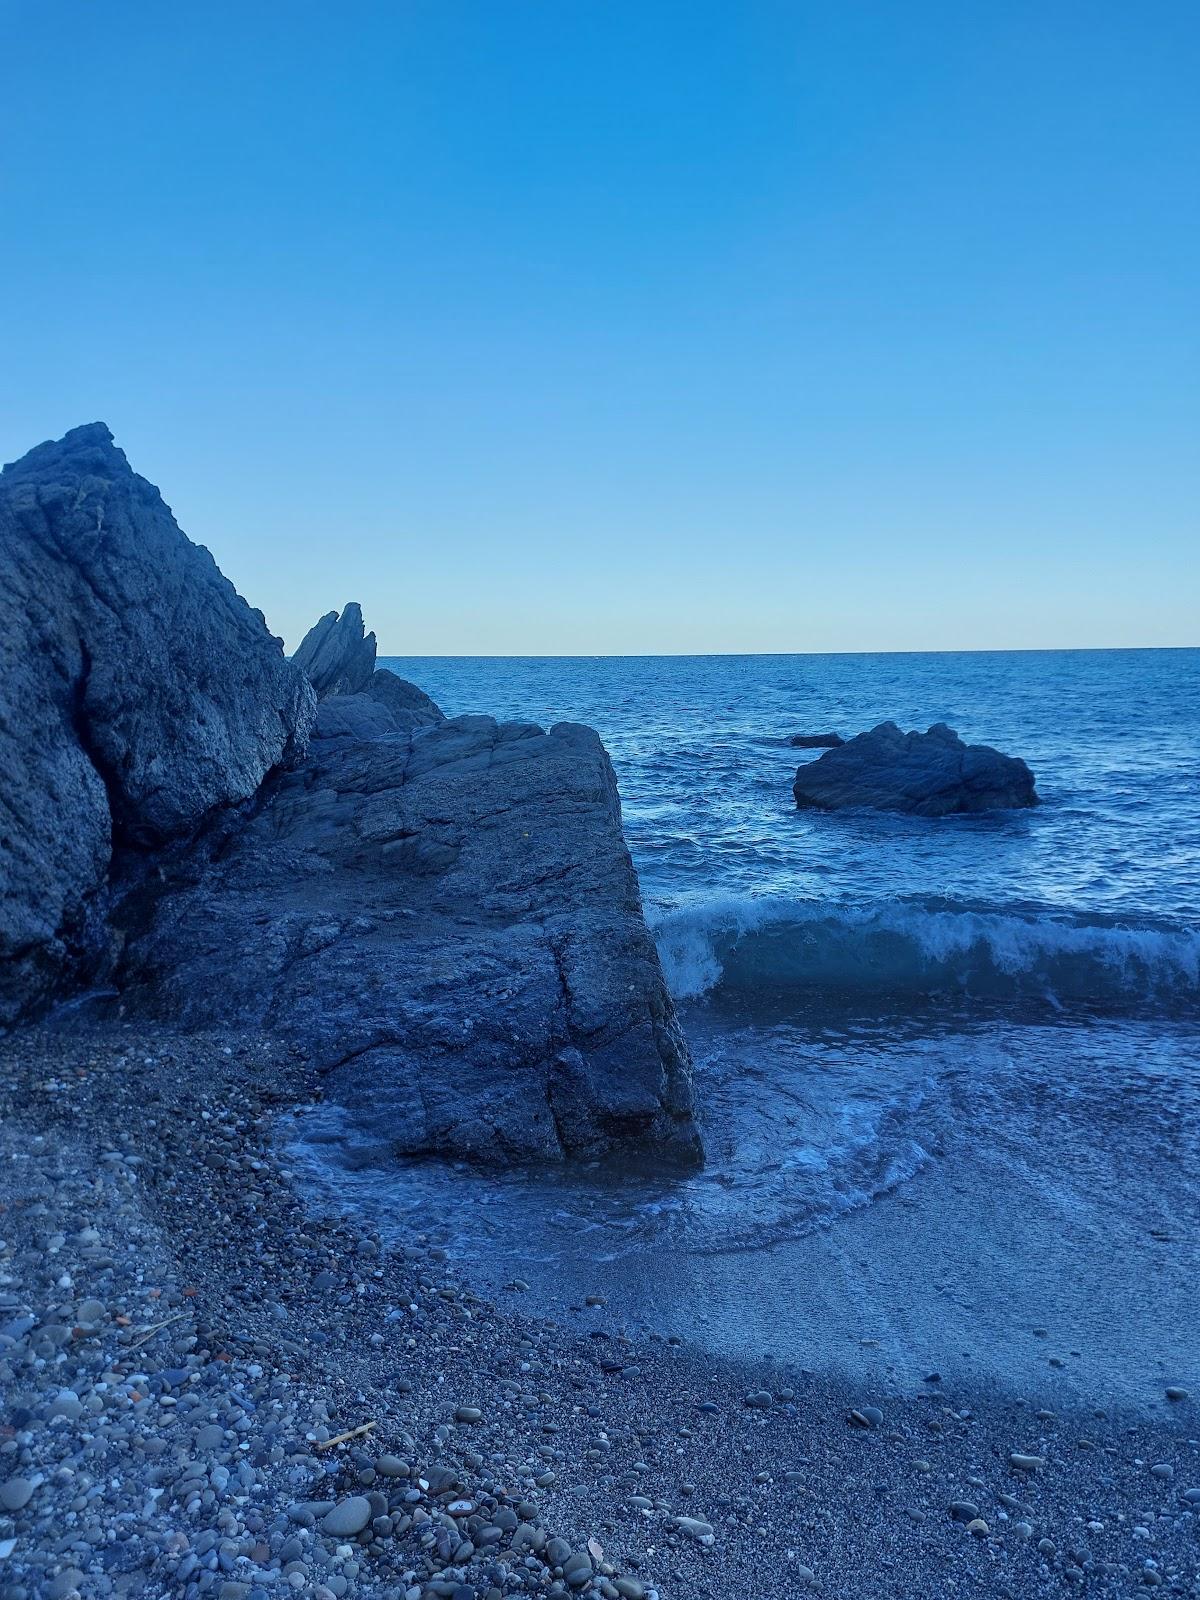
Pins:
x,y
707,655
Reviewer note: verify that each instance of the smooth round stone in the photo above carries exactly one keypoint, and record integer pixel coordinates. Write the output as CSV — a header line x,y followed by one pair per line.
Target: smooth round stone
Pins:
x,y
759,1399
468,1414
15,1493
348,1517
391,1467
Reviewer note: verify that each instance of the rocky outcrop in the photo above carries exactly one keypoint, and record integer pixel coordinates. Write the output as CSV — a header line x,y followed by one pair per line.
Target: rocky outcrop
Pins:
x,y
442,915
816,741
930,774
138,694
448,922
410,707
336,654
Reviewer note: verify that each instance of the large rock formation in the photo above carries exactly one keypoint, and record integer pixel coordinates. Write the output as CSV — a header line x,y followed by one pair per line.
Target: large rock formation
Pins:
x,y
337,654
138,694
928,774
443,915
448,922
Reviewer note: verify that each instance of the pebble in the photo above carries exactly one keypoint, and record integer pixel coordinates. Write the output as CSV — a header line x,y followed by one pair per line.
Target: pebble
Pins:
x,y
16,1493
1174,1392
760,1399
468,1414
1026,1463
348,1517
867,1417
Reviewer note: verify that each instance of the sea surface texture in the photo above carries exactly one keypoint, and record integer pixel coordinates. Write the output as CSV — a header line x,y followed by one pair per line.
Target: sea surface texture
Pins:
x,y
948,1069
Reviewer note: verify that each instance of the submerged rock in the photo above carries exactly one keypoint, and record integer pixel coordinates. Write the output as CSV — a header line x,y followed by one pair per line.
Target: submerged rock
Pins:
x,y
138,694
816,741
337,654
927,774
448,922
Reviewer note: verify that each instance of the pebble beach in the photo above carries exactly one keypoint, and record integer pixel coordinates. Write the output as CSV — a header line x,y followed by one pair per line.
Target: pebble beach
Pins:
x,y
214,1391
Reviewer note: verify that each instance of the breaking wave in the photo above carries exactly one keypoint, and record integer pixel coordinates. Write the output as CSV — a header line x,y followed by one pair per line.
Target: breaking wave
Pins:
x,y
911,948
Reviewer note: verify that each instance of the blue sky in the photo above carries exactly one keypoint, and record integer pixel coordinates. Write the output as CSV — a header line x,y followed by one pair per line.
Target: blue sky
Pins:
x,y
607,327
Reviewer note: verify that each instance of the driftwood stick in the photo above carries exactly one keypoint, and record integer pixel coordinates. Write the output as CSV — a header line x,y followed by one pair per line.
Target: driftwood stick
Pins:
x,y
158,1328
342,1438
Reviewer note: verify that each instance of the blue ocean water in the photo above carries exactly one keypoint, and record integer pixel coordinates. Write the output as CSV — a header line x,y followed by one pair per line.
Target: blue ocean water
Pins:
x,y
1007,1002
1097,893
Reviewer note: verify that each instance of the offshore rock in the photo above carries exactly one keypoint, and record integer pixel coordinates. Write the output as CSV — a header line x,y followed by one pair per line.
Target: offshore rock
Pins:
x,y
447,921
931,774
816,741
139,693
336,654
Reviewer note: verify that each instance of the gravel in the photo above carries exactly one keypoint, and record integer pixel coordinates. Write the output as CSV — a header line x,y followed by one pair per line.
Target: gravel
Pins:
x,y
209,1391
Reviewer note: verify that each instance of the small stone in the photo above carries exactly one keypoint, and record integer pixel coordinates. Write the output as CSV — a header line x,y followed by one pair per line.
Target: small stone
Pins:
x,y
964,1510
1174,1392
348,1517
1026,1463
695,1528
468,1414
978,1527
760,1399
1163,1470
867,1417
16,1493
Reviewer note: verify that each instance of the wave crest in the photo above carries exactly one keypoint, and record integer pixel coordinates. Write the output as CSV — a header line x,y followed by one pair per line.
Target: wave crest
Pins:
x,y
918,948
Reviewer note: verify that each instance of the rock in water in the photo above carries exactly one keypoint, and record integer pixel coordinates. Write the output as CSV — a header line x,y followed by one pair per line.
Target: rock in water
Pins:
x,y
447,920
138,693
336,654
927,774
816,741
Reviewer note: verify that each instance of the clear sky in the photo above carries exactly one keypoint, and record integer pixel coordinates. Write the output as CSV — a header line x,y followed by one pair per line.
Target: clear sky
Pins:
x,y
586,325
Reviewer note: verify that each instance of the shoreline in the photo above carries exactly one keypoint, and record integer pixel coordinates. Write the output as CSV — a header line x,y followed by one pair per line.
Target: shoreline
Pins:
x,y
252,1323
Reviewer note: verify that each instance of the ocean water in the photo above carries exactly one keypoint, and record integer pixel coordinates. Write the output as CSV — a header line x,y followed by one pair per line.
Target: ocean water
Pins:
x,y
895,1021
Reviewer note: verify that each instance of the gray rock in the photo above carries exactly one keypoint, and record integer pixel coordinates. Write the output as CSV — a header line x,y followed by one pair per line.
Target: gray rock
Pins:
x,y
449,923
353,716
926,774
410,707
16,1493
348,1517
816,741
138,694
336,655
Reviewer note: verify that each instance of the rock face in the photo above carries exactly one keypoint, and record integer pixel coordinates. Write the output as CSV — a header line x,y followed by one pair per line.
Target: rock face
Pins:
x,y
448,922
336,654
816,741
442,915
929,774
138,694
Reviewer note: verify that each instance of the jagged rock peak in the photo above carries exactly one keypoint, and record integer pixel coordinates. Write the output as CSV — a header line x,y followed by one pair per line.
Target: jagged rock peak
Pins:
x,y
337,654
139,693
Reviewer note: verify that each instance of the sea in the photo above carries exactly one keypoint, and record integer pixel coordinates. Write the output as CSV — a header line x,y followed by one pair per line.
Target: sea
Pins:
x,y
948,1070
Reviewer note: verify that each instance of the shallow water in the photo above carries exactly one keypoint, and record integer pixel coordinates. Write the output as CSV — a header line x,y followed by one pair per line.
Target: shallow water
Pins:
x,y
896,1022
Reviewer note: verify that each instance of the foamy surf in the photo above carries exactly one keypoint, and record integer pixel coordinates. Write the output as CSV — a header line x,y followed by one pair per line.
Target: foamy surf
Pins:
x,y
913,948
